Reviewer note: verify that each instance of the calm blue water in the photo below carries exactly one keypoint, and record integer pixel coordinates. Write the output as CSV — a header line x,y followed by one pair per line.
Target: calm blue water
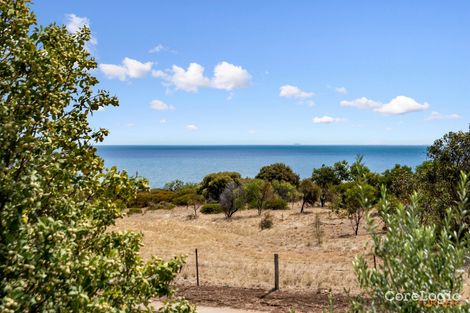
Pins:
x,y
161,164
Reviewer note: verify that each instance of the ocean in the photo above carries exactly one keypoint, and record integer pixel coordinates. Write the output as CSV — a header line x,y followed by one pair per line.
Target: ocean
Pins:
x,y
161,164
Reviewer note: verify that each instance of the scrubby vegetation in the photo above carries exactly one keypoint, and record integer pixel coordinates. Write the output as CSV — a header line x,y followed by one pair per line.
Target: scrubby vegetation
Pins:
x,y
57,200
211,208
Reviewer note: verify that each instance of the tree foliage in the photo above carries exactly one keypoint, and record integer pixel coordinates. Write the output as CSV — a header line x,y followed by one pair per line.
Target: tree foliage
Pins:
x,y
232,199
310,193
415,258
280,172
57,200
257,193
214,184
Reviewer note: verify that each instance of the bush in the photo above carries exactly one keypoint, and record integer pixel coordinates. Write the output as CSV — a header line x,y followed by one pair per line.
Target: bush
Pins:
x,y
211,208
266,222
161,206
415,258
146,198
276,204
280,172
214,184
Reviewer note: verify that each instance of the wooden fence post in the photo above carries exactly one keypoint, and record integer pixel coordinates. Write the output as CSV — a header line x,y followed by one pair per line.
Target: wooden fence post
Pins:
x,y
276,271
197,270
375,263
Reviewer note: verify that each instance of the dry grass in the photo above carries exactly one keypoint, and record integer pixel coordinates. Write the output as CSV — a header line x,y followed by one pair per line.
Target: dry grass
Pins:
x,y
237,253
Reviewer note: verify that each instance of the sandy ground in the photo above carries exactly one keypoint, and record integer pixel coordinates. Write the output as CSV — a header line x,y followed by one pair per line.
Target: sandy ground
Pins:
x,y
236,257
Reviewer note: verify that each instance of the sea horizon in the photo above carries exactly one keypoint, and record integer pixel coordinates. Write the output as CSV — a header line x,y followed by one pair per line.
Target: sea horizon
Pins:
x,y
190,163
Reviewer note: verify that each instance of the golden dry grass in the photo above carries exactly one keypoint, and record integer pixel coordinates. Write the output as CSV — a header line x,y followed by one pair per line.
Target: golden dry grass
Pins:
x,y
237,253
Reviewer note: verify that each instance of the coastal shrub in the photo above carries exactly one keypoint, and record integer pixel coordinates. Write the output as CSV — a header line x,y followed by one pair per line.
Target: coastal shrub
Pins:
x,y
400,182
258,193
276,204
178,186
284,190
146,198
266,221
232,199
211,208
58,201
326,177
280,172
214,184
163,205
416,258
310,193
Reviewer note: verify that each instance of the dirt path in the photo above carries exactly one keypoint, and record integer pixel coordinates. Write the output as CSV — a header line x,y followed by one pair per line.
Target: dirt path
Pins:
x,y
211,299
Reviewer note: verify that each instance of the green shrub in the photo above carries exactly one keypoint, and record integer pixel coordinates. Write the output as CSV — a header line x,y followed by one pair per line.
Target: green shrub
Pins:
x,y
415,258
161,206
211,208
145,198
266,221
276,204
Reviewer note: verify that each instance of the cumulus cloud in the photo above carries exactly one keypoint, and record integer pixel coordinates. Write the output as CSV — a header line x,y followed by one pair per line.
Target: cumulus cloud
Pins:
x,y
74,23
226,77
361,103
290,91
327,119
160,48
397,106
191,127
163,121
229,77
439,116
402,105
129,68
190,79
341,90
160,106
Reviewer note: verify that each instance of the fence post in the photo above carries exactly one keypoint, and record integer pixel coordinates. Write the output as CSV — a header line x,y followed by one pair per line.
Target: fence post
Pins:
x,y
276,271
375,263
197,270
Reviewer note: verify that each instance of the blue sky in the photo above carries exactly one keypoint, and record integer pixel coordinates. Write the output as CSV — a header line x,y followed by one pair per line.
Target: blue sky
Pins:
x,y
277,72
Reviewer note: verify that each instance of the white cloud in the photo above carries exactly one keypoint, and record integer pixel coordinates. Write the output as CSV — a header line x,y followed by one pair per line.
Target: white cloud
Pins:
x,y
159,74
161,48
191,127
129,68
163,121
229,77
402,105
189,80
327,119
396,106
289,91
113,71
75,23
226,77
439,116
361,103
160,105
341,90
311,103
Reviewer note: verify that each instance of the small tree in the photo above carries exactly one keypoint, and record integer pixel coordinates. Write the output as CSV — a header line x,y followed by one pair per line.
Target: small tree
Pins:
x,y
317,230
258,192
416,258
358,201
58,202
280,172
214,184
195,201
232,199
310,193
